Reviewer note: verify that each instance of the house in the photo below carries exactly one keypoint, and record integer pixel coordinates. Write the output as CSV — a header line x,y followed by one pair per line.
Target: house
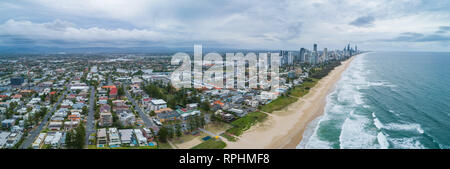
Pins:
x,y
185,113
238,112
142,141
127,119
163,110
55,125
70,124
105,107
157,104
75,116
112,91
146,101
167,116
106,118
147,134
56,141
102,139
126,136
12,139
7,123
39,141
3,138
192,106
114,139
102,100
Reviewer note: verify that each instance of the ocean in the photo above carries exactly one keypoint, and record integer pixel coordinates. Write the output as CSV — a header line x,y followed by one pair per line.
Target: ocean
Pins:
x,y
396,100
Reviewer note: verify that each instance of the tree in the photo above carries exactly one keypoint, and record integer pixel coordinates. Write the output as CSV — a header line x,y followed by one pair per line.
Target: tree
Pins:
x,y
75,137
152,113
120,91
202,121
178,130
205,106
69,139
172,103
162,134
170,132
84,110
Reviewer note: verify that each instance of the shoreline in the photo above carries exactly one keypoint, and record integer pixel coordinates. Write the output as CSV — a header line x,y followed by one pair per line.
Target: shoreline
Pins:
x,y
284,128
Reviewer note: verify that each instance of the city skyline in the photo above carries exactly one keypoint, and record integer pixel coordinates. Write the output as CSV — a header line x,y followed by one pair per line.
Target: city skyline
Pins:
x,y
409,25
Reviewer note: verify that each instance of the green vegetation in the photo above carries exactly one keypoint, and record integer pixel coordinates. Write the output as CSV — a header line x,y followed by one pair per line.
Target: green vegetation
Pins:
x,y
75,138
323,70
122,147
244,123
278,104
303,89
164,146
172,96
228,137
211,144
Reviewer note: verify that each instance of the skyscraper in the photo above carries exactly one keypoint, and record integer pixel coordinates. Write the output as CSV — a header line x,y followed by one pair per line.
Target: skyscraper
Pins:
x,y
315,48
290,58
302,55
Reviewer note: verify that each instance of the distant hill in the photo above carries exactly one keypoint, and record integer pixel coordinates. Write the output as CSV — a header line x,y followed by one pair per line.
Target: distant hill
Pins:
x,y
87,50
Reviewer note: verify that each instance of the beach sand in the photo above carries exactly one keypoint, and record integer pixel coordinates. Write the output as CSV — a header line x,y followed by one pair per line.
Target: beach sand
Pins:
x,y
284,128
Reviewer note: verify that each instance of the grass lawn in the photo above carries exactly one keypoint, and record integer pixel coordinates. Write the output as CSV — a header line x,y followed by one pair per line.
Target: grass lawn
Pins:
x,y
162,145
140,147
244,123
187,137
303,89
228,137
217,127
278,104
211,144
128,147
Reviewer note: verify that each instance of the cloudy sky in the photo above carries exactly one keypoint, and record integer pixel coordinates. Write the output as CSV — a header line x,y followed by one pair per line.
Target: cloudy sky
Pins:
x,y
253,24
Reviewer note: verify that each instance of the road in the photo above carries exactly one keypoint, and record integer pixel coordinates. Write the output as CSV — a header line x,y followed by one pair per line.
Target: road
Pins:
x,y
148,123
90,118
33,134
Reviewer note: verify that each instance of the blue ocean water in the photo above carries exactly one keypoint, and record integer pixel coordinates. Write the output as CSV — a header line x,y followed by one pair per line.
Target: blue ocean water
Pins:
x,y
387,100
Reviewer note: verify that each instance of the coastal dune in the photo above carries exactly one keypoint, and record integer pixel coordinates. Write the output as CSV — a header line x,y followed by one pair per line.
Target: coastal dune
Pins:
x,y
284,128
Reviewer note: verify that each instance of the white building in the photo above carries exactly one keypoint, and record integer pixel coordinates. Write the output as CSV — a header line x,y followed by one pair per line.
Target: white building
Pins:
x,y
39,141
114,139
126,136
56,141
157,104
142,141
3,139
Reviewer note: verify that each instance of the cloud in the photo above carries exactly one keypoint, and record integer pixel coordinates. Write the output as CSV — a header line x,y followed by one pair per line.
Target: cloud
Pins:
x,y
61,31
443,29
363,21
418,37
273,24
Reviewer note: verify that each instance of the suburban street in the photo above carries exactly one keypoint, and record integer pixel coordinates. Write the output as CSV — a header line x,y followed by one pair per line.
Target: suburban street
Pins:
x,y
148,123
90,126
33,134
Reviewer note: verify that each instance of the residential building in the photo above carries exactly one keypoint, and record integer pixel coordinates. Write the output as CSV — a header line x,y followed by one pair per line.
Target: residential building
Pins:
x,y
114,139
141,140
126,136
157,104
106,118
55,125
37,144
102,139
3,138
12,139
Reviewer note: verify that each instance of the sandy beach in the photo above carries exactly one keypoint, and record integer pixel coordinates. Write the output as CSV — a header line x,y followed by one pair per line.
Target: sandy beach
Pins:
x,y
284,128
